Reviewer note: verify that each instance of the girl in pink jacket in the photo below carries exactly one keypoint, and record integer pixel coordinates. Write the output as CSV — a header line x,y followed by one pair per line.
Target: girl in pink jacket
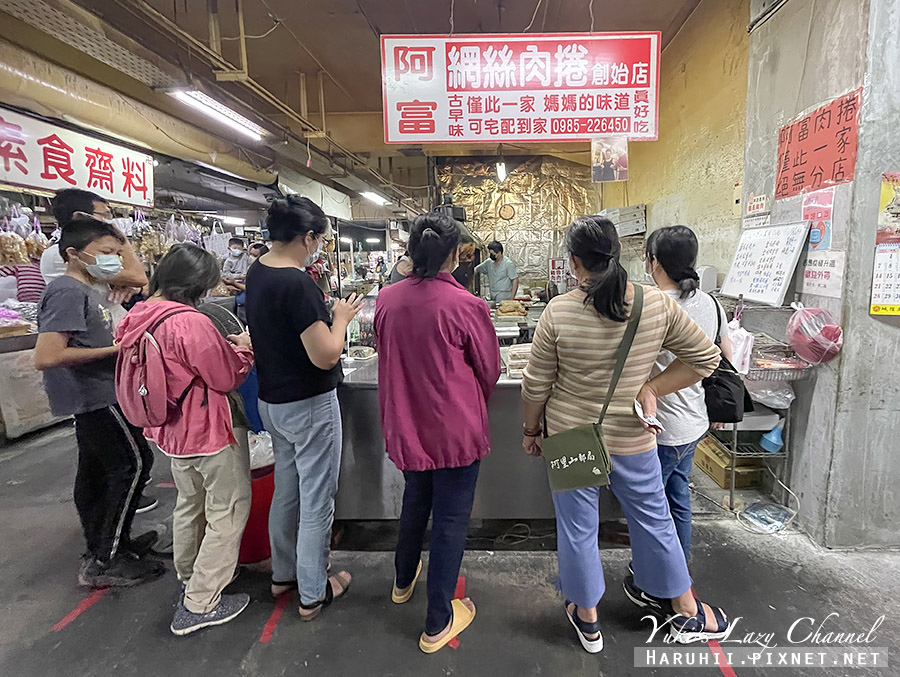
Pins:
x,y
211,470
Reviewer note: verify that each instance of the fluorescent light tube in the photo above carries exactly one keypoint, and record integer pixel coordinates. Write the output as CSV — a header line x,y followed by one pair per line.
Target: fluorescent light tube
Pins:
x,y
212,108
372,240
375,197
501,172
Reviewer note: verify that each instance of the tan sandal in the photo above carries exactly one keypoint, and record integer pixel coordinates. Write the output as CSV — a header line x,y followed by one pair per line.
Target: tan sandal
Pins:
x,y
316,608
399,596
462,617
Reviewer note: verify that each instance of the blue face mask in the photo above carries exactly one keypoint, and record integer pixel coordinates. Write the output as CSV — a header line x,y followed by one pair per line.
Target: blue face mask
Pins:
x,y
107,266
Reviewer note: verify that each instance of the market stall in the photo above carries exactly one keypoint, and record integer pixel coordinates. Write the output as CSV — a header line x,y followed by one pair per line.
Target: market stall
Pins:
x,y
510,486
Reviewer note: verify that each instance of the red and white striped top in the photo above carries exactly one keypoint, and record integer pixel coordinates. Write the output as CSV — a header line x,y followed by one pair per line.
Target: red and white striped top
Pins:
x,y
29,281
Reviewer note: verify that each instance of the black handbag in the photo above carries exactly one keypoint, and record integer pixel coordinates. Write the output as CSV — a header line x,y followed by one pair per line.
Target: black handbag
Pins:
x,y
726,397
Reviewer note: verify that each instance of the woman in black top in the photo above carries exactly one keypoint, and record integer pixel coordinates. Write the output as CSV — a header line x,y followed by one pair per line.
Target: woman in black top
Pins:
x,y
298,349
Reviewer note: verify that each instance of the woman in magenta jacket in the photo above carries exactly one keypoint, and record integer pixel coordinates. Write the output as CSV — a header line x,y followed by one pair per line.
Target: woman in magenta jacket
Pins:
x,y
439,361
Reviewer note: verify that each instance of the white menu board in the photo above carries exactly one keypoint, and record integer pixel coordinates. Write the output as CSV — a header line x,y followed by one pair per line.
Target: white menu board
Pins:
x,y
764,263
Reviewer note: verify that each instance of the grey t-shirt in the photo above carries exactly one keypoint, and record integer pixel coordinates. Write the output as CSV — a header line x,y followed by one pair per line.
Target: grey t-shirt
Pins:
x,y
683,413
73,308
500,277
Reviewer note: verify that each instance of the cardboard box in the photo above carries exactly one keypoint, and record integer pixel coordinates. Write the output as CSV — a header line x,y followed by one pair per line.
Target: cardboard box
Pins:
x,y
633,227
620,214
715,461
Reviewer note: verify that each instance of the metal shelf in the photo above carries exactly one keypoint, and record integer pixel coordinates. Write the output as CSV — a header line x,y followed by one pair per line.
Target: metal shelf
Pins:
x,y
751,450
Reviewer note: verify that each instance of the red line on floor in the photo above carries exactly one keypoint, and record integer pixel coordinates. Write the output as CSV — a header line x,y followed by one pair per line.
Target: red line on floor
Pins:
x,y
722,659
83,606
460,593
165,485
269,629
460,588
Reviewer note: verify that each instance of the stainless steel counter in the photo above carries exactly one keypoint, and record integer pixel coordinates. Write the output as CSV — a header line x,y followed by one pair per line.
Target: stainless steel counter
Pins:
x,y
511,485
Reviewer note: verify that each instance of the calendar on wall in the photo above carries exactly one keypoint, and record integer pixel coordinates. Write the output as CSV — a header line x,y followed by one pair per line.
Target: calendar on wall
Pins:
x,y
764,263
886,274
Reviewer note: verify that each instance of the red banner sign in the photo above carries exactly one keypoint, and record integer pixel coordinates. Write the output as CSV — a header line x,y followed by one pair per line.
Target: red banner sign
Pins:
x,y
518,88
819,149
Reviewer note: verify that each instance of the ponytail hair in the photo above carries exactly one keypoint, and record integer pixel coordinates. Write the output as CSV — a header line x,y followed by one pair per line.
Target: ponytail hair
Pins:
x,y
675,249
432,238
595,242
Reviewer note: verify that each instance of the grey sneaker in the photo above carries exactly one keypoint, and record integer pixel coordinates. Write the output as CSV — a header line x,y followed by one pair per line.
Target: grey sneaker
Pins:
x,y
229,606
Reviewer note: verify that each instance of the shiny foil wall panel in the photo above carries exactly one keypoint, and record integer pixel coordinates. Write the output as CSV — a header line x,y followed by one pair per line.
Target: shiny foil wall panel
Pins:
x,y
528,212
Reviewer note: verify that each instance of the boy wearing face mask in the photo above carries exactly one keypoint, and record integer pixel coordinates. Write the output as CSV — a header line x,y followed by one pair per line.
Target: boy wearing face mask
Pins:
x,y
76,352
234,270
72,203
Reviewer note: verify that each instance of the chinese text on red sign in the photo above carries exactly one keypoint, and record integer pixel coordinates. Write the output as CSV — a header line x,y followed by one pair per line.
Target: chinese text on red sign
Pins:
x,y
36,154
819,149
540,87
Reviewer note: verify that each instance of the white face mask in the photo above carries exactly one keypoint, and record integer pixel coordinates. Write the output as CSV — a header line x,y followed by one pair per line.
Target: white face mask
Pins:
x,y
312,258
106,266
649,274
236,251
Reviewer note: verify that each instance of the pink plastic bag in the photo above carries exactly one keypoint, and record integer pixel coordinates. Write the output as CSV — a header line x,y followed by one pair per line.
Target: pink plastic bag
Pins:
x,y
814,335
741,346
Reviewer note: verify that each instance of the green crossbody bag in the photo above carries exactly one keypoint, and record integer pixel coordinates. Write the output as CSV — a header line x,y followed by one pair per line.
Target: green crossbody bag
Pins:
x,y
578,458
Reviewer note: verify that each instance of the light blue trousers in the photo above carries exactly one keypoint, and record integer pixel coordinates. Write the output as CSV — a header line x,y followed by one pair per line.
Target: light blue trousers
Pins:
x,y
657,557
306,439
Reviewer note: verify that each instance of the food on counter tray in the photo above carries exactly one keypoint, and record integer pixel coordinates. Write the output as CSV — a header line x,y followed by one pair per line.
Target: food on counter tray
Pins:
x,y
517,360
512,308
13,326
362,352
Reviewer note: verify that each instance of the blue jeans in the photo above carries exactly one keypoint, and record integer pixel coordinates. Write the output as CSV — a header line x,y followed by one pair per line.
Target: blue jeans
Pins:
x,y
306,440
676,463
449,492
659,565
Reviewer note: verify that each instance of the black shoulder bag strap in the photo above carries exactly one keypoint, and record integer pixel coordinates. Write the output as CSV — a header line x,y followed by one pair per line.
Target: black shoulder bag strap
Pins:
x,y
153,327
719,312
625,347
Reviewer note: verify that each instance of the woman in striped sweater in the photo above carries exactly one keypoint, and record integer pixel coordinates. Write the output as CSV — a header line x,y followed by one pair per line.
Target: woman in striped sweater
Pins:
x,y
567,377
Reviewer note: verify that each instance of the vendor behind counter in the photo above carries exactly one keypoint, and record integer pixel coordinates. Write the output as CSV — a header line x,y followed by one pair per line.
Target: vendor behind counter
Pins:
x,y
501,273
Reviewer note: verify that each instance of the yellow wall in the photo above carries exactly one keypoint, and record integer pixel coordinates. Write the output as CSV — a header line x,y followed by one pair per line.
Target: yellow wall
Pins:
x,y
687,177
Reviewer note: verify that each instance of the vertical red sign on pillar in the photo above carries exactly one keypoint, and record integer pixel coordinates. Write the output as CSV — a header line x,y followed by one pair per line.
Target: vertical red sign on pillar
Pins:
x,y
534,87
819,149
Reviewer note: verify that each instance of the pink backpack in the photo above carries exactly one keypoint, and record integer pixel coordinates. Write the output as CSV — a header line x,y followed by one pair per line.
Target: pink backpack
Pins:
x,y
141,387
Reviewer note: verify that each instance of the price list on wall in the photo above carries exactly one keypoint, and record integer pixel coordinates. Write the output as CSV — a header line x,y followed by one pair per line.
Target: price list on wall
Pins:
x,y
886,275
765,261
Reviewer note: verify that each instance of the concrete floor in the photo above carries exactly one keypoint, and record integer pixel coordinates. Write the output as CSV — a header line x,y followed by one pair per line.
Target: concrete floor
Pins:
x,y
520,630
